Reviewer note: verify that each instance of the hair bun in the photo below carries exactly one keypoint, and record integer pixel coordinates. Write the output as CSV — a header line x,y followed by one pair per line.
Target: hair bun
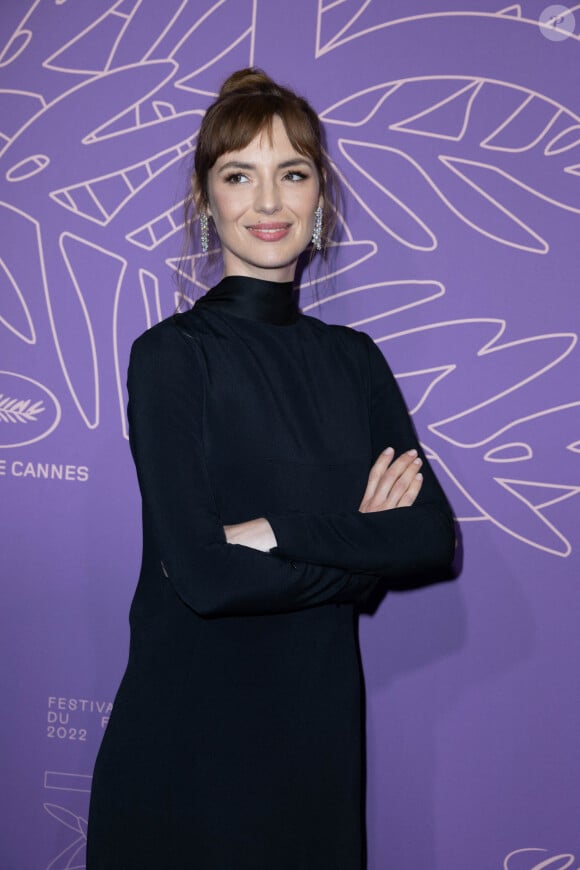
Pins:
x,y
250,79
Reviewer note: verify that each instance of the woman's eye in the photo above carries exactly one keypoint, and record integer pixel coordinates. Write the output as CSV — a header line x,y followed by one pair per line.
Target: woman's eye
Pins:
x,y
296,176
236,178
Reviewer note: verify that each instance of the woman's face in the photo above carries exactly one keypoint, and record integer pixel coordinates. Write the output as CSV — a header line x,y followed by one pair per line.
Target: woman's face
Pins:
x,y
262,201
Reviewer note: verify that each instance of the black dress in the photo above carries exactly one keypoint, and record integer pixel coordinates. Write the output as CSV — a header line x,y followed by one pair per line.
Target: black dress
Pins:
x,y
235,738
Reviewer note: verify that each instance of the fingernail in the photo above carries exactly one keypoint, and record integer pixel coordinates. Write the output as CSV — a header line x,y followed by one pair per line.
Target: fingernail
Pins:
x,y
411,452
388,450
417,461
419,476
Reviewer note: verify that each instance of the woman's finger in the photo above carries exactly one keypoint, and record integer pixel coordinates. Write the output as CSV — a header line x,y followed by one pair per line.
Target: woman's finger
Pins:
x,y
400,486
408,497
376,475
391,486
389,481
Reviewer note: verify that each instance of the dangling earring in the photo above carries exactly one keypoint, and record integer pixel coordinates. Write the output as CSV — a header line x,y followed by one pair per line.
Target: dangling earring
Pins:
x,y
204,232
317,231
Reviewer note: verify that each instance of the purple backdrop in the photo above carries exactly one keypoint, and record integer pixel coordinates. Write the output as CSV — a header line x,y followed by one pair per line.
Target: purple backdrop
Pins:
x,y
457,135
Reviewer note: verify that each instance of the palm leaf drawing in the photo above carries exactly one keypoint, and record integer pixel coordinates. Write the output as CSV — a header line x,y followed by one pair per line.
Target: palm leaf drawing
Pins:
x,y
476,154
19,410
71,857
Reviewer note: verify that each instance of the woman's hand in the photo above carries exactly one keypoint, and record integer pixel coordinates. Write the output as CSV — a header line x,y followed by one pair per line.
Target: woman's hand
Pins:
x,y
392,482
257,534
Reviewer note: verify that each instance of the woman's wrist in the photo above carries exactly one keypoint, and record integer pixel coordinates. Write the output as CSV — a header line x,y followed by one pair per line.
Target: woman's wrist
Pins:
x,y
257,534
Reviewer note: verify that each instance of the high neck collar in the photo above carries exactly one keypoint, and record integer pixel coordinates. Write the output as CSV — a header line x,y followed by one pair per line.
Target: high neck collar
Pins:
x,y
254,299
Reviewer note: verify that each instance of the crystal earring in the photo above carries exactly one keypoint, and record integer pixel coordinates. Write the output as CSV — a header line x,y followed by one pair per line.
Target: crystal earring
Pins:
x,y
204,232
317,230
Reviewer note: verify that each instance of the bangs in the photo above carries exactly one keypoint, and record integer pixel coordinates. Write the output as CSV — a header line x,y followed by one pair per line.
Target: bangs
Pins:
x,y
244,116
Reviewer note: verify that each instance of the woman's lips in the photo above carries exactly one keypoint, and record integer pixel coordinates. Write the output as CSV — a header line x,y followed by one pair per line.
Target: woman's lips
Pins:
x,y
269,232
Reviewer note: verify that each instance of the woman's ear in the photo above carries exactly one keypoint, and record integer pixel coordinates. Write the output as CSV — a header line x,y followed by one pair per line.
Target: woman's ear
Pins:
x,y
322,185
198,198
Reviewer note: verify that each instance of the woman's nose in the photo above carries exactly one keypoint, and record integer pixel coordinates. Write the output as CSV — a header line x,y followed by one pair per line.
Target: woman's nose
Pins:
x,y
268,198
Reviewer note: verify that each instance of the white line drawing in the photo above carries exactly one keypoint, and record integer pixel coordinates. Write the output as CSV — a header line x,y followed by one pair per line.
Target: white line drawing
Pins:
x,y
326,7
88,410
347,255
530,492
502,429
91,417
386,90
350,254
182,83
27,167
185,36
435,287
368,110
464,86
496,134
512,451
515,10
180,266
336,41
515,487
452,162
149,284
118,265
566,491
544,863
155,45
432,377
115,12
134,178
159,229
71,857
557,544
329,114
542,246
151,299
466,94
568,341
430,242
19,410
554,146
155,102
114,194
557,22
103,198
19,40
56,779
16,107
43,408
29,337
546,536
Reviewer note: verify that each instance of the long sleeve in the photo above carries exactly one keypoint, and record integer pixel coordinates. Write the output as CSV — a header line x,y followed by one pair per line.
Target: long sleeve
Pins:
x,y
398,544
183,531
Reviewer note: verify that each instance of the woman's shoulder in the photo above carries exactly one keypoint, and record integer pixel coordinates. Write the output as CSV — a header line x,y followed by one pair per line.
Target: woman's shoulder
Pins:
x,y
339,332
180,333
173,336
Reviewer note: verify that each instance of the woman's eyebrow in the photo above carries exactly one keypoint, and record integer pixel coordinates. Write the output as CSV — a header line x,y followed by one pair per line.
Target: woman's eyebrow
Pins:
x,y
286,164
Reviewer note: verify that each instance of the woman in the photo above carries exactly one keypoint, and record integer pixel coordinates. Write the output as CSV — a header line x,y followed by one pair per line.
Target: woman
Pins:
x,y
271,509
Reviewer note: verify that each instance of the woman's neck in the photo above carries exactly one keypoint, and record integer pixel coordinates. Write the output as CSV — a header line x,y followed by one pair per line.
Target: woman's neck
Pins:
x,y
273,302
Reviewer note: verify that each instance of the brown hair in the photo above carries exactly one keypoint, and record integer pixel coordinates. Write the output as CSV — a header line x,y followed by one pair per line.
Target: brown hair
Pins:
x,y
247,104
